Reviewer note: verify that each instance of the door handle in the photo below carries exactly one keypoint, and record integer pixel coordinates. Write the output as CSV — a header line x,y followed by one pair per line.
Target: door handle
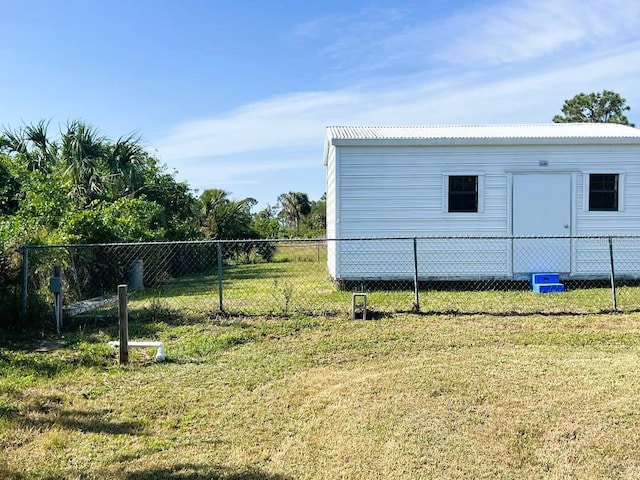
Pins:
x,y
566,226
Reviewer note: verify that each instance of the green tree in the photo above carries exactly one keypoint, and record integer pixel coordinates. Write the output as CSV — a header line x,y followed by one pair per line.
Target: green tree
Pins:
x,y
265,223
294,206
125,220
228,219
317,219
83,153
9,187
224,218
84,171
126,162
32,144
605,107
83,188
180,213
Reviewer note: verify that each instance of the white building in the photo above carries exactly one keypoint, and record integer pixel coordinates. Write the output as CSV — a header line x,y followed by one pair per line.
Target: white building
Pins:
x,y
562,180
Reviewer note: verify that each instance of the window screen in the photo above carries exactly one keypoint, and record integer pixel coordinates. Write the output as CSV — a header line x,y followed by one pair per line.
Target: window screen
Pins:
x,y
463,193
603,192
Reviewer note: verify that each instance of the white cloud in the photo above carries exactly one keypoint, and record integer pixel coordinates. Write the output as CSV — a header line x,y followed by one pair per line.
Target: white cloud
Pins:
x,y
297,121
527,58
490,34
287,121
517,31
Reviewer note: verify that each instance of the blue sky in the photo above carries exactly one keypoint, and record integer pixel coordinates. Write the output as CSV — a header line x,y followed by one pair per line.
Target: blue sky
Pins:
x,y
237,94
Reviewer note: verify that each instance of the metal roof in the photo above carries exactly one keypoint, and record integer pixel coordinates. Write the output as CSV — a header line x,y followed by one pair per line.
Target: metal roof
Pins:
x,y
563,133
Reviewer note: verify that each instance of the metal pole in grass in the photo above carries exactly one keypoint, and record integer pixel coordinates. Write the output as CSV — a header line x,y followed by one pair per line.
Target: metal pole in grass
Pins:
x,y
416,293
55,286
25,280
57,272
613,277
123,317
219,255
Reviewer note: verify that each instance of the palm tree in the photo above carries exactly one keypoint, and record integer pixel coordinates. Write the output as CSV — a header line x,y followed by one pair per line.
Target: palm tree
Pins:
x,y
225,218
83,152
294,207
126,160
32,143
95,166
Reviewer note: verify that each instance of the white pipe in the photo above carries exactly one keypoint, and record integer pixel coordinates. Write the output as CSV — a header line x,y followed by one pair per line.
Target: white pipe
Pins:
x,y
161,354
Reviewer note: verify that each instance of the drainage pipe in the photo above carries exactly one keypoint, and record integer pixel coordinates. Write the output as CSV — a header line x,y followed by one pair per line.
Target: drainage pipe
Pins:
x,y
161,354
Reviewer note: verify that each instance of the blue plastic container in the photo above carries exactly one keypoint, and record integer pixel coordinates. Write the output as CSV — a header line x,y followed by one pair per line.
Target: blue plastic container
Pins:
x,y
546,283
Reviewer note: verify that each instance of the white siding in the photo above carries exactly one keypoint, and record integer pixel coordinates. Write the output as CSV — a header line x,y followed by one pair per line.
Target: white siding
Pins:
x,y
389,259
331,187
398,191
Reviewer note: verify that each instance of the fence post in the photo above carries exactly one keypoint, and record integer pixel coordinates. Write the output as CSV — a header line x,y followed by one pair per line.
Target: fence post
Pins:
x,y
25,280
123,317
416,292
613,277
219,255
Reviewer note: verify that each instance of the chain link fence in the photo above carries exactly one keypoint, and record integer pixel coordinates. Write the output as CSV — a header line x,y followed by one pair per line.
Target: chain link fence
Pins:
x,y
470,275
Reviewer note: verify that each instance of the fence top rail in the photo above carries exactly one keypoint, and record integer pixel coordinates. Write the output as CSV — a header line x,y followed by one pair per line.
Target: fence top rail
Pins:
x,y
177,242
326,240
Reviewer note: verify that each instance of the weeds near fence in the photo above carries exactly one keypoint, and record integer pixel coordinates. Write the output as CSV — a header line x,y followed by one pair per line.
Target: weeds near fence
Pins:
x,y
283,290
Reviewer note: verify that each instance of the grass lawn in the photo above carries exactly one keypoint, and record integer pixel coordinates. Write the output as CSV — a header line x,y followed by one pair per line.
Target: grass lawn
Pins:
x,y
297,390
297,283
405,396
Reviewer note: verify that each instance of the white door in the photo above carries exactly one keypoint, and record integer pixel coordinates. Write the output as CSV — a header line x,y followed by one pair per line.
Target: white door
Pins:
x,y
541,206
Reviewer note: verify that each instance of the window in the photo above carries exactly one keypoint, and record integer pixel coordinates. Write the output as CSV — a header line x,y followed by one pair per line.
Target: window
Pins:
x,y
603,192
463,193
